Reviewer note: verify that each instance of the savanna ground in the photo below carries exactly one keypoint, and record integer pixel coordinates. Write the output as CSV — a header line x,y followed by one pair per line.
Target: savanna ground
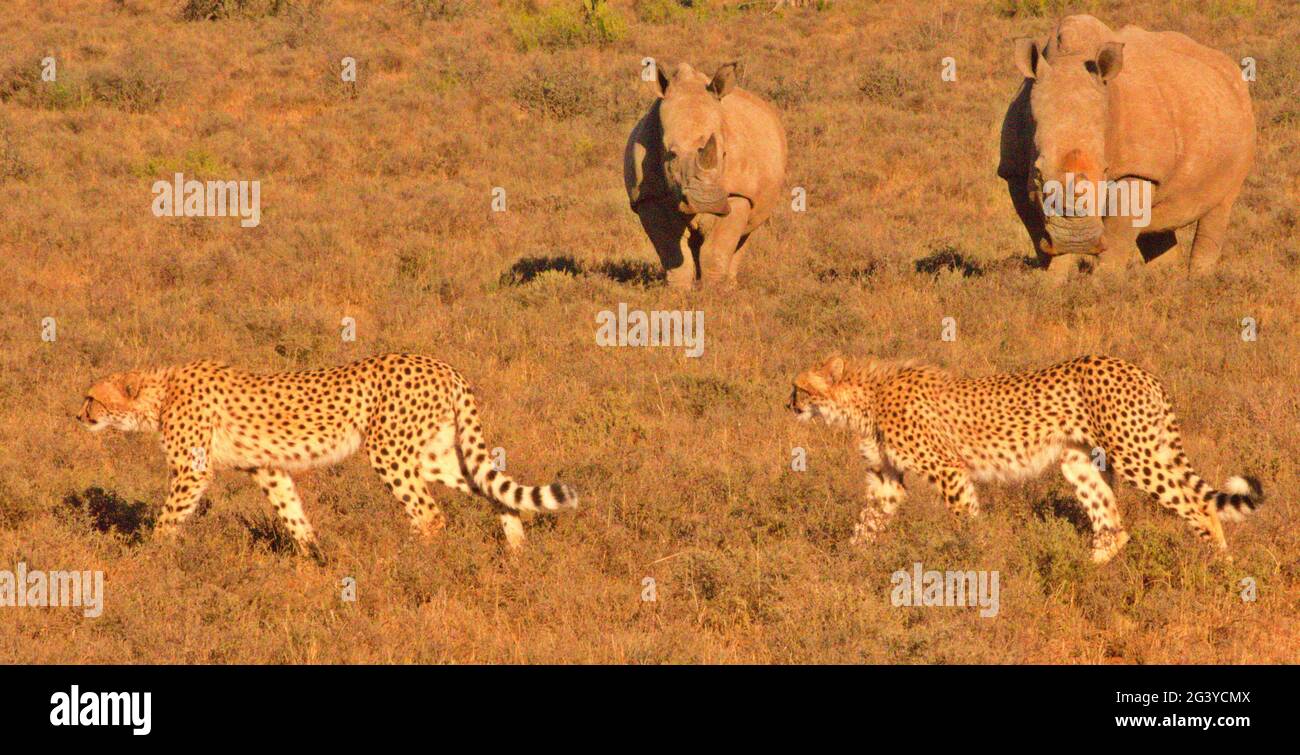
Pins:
x,y
376,205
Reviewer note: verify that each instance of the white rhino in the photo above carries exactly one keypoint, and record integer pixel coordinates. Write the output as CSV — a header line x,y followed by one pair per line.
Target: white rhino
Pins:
x,y
1133,107
703,169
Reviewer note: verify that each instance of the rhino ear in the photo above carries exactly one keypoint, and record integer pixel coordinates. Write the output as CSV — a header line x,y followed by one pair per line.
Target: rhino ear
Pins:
x,y
1110,60
1027,57
724,80
661,79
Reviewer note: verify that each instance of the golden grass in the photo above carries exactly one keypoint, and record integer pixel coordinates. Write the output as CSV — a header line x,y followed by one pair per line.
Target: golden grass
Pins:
x,y
376,205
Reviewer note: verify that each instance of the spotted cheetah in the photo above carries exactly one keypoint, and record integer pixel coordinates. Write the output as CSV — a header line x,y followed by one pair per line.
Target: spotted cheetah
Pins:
x,y
416,417
1094,416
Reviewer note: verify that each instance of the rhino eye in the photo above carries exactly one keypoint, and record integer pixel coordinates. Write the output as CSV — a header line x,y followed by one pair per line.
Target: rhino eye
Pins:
x,y
1091,67
669,156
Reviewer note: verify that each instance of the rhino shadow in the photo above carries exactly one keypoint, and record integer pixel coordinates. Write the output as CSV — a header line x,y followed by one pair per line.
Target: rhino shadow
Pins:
x,y
632,272
1016,156
949,259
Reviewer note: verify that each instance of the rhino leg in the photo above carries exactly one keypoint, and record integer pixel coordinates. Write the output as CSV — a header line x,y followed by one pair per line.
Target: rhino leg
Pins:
x,y
688,275
1210,233
734,266
722,244
1061,268
668,232
1120,243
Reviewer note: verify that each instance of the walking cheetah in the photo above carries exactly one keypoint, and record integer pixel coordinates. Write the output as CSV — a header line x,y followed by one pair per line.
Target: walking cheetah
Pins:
x,y
416,417
1094,416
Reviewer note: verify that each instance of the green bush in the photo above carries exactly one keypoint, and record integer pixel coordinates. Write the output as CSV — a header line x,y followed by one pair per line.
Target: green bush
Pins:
x,y
1033,8
559,94
669,11
12,163
568,24
883,85
135,88
213,10
435,10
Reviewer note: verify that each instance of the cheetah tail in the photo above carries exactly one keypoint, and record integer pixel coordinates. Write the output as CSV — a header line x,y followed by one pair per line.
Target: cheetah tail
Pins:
x,y
493,482
1239,497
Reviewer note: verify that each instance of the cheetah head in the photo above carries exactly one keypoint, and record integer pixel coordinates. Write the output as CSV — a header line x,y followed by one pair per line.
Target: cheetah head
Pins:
x,y
127,401
813,396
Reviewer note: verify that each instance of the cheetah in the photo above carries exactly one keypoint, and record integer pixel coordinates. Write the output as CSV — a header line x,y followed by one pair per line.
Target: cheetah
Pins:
x,y
416,417
1095,416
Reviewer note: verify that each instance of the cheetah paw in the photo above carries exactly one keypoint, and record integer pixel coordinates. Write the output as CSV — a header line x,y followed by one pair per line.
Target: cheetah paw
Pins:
x,y
1103,553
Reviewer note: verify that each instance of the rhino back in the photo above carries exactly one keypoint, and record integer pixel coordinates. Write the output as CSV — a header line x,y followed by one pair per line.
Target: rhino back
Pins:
x,y
1179,114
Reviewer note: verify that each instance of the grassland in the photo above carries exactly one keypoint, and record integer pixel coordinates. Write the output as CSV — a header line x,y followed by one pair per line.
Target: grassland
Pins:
x,y
376,205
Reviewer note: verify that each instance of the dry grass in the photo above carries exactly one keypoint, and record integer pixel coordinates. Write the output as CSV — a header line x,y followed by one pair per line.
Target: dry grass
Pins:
x,y
375,205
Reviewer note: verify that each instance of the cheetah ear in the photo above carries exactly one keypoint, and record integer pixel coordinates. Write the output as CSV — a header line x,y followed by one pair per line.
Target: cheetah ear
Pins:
x,y
835,368
131,384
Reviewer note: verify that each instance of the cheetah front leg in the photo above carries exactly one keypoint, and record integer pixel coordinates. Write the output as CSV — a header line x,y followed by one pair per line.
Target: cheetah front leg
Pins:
x,y
885,492
282,493
1095,494
191,473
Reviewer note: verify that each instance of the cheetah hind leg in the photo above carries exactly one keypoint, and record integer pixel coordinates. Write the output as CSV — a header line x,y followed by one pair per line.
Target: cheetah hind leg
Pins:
x,y
1097,498
282,493
1173,484
441,463
403,477
958,491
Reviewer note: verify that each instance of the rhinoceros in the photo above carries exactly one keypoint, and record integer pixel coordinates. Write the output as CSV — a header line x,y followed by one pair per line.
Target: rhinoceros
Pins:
x,y
1131,113
703,169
